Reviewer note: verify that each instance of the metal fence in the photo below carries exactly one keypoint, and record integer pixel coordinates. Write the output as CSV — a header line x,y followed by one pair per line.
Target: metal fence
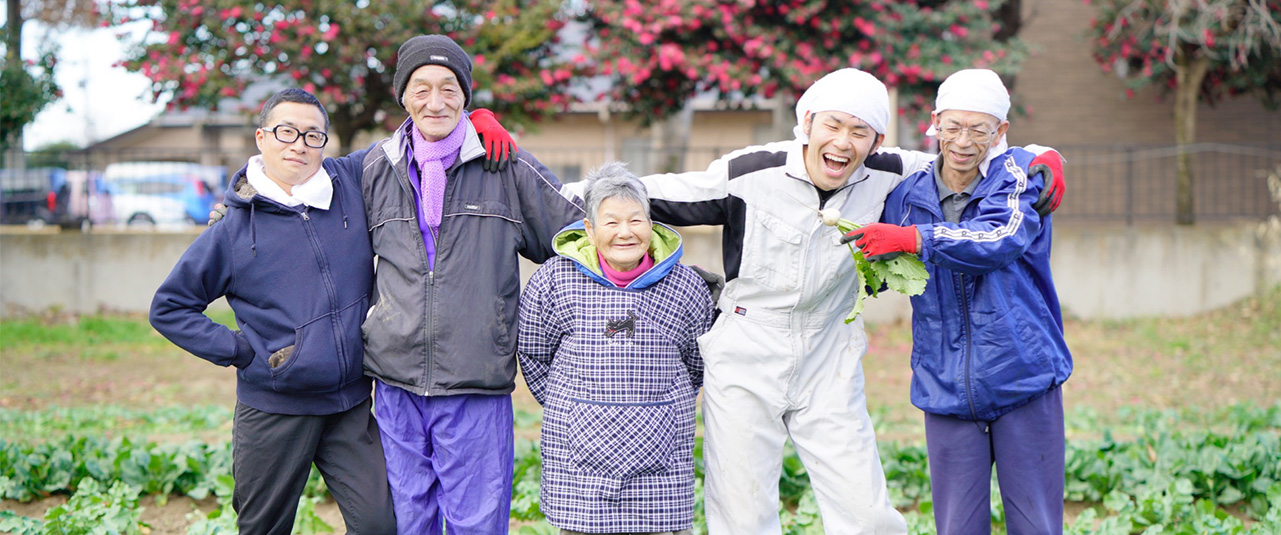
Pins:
x,y
1127,184
1138,183
1121,183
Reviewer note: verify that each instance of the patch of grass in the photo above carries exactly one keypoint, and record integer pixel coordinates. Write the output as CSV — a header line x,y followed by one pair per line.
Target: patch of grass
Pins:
x,y
86,330
1210,361
225,317
98,337
1085,422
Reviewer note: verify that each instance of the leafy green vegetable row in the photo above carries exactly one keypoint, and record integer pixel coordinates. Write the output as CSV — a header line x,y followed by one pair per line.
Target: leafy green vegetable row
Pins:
x,y
32,471
1169,478
111,419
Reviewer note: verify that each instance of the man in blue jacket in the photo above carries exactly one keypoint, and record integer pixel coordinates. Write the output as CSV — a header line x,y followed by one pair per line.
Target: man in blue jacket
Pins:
x,y
292,255
988,354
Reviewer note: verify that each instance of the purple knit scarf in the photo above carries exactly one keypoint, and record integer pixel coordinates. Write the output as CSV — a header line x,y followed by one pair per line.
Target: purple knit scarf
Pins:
x,y
433,158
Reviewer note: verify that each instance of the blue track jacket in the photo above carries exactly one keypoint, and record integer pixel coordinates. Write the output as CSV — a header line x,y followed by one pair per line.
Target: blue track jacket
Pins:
x,y
987,333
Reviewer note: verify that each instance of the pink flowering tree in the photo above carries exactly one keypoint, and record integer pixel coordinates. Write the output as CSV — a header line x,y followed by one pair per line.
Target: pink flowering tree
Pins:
x,y
1198,50
201,52
660,53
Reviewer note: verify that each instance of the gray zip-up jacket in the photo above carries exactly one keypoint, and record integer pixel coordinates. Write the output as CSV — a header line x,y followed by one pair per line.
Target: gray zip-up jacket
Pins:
x,y
452,329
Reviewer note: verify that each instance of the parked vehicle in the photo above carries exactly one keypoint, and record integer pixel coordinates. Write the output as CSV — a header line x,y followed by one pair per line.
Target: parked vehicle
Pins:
x,y
84,200
163,193
29,196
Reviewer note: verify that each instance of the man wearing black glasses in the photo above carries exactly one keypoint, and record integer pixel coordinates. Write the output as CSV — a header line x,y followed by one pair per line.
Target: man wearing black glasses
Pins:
x,y
292,255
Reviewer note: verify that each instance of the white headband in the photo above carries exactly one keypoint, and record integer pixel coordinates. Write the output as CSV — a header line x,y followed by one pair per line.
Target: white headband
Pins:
x,y
846,90
978,90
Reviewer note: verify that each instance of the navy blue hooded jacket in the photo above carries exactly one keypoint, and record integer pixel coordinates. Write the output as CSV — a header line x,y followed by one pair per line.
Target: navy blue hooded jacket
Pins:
x,y
298,279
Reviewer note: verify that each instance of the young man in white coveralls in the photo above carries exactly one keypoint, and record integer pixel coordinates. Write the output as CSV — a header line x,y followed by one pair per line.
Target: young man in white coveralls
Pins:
x,y
780,360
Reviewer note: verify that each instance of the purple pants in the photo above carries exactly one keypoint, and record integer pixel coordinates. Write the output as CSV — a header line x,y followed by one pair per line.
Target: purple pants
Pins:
x,y
449,458
1027,447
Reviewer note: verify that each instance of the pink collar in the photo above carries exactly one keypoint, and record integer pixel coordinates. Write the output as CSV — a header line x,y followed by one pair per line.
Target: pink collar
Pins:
x,y
622,278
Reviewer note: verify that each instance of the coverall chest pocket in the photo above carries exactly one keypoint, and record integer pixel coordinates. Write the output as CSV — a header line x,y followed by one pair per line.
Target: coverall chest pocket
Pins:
x,y
615,442
772,251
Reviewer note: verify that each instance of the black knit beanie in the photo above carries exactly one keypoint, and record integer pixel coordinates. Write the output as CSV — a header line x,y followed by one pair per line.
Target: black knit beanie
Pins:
x,y
432,50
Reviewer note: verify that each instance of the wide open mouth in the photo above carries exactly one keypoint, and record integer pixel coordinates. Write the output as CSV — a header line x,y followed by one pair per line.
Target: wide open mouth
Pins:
x,y
834,164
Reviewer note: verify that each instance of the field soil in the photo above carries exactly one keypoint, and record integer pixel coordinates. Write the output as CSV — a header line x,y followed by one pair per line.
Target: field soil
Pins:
x,y
1229,356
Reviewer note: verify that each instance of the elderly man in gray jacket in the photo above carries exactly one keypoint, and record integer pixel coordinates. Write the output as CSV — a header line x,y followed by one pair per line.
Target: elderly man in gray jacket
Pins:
x,y
440,338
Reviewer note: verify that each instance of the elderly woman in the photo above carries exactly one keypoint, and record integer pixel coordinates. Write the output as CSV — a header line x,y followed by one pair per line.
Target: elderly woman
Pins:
x,y
608,346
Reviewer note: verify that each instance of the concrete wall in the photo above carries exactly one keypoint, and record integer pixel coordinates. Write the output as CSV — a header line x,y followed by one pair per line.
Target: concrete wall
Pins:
x,y
1120,272
79,272
1100,271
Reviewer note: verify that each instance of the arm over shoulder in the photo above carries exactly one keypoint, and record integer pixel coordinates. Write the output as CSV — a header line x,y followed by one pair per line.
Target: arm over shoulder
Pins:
x,y
546,206
1003,227
700,197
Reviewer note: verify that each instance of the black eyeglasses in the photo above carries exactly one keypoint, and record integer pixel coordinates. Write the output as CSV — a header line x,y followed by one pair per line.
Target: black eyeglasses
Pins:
x,y
311,138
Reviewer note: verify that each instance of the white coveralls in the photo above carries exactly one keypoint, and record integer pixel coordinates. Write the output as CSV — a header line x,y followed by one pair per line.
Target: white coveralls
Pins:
x,y
780,361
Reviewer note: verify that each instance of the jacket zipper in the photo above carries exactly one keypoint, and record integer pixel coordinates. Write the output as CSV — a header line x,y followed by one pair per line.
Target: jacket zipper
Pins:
x,y
431,291
332,292
969,346
408,191
431,296
959,280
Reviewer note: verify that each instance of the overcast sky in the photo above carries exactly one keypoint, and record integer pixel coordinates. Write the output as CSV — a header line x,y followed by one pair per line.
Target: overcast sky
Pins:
x,y
99,100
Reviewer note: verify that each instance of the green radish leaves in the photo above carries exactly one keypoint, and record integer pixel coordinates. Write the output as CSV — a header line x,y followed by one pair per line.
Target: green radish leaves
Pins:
x,y
904,273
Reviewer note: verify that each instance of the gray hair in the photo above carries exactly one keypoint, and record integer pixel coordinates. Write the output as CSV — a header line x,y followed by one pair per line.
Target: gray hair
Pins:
x,y
612,179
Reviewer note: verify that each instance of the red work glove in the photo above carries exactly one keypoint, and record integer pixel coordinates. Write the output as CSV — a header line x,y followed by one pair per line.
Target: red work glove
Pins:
x,y
882,241
500,148
1050,165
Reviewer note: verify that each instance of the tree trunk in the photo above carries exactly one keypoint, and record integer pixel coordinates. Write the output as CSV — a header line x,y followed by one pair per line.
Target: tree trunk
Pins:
x,y
783,116
348,120
1189,73
1010,18
15,158
345,137
671,140
13,38
343,129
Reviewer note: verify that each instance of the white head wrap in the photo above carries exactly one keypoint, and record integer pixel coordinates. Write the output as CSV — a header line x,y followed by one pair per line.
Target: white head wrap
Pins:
x,y
978,90
846,90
